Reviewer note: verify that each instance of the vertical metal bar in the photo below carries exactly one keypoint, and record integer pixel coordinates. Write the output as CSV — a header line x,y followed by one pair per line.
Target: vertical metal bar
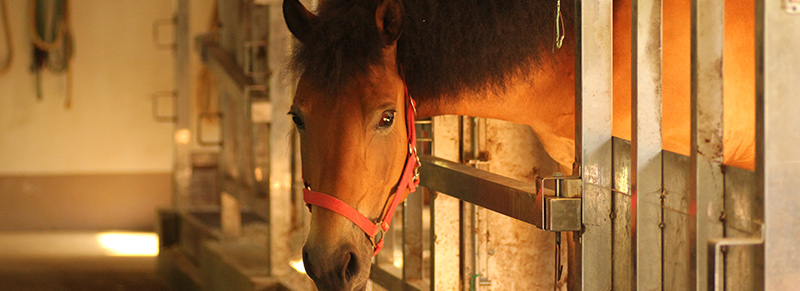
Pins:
x,y
679,225
777,139
473,230
707,152
646,169
280,162
412,237
623,242
182,173
445,212
593,110
230,216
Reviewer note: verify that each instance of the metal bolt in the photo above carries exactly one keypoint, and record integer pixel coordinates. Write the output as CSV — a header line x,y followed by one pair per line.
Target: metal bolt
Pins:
x,y
491,252
722,217
612,215
662,225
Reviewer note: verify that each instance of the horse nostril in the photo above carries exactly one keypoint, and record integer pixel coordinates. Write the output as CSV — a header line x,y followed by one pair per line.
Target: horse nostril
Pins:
x,y
351,266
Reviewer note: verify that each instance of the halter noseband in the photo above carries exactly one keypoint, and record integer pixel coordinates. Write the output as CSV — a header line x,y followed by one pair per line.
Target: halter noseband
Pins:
x,y
408,181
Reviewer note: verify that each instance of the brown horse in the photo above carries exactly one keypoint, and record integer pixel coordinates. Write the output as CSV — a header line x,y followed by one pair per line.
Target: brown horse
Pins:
x,y
493,59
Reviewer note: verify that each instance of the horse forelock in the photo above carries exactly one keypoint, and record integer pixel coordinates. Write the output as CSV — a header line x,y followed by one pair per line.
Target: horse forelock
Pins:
x,y
446,47
344,45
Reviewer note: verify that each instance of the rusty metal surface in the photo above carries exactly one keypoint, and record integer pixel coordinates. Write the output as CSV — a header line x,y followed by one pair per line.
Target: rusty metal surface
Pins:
x,y
679,224
707,153
623,244
744,217
646,166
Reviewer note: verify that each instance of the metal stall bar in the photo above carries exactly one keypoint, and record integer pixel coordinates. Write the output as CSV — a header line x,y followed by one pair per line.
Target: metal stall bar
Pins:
x,y
707,183
445,265
646,169
777,138
182,172
591,256
413,263
280,159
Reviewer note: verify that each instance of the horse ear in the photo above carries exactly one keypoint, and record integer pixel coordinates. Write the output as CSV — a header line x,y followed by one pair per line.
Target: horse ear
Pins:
x,y
389,18
300,21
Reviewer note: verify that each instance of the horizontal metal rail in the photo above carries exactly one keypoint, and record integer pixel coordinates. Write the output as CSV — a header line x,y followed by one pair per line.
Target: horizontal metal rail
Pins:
x,y
494,192
516,199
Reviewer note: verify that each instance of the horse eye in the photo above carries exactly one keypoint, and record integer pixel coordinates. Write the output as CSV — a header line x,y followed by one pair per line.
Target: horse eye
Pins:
x,y
387,118
297,121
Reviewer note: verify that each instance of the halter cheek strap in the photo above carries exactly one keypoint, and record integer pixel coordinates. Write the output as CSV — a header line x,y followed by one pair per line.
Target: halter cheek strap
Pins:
x,y
409,181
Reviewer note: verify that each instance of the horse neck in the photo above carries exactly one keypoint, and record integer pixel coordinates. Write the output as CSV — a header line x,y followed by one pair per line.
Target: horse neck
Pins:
x,y
543,100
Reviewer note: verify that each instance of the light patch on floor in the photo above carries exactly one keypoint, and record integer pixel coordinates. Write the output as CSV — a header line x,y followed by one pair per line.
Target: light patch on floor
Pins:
x,y
128,243
77,244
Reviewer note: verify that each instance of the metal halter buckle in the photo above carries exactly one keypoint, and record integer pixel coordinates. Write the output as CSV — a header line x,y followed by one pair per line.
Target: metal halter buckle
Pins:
x,y
412,150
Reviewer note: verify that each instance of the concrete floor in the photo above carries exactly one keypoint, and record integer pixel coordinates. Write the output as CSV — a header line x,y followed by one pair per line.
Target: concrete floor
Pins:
x,y
71,261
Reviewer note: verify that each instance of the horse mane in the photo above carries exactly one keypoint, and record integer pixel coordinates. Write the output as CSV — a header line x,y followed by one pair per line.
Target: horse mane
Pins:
x,y
446,47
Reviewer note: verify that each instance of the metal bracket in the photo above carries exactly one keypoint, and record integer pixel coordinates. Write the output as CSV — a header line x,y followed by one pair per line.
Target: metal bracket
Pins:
x,y
248,58
715,270
260,108
200,139
162,94
157,36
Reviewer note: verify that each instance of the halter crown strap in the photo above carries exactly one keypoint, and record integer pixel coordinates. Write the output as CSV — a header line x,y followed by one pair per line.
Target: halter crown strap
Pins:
x,y
409,180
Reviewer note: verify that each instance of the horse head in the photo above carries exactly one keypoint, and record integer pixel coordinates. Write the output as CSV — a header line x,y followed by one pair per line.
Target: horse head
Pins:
x,y
353,121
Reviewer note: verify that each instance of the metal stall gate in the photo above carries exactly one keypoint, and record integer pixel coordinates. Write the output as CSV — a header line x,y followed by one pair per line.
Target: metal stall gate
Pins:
x,y
631,216
638,217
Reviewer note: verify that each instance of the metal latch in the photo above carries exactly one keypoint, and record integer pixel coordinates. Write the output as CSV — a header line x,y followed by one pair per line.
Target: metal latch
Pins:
x,y
560,207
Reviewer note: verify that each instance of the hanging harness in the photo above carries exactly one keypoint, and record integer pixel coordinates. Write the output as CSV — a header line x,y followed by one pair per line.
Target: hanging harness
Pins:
x,y
409,180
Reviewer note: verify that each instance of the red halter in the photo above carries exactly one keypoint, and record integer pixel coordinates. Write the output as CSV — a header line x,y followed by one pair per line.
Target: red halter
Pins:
x,y
408,181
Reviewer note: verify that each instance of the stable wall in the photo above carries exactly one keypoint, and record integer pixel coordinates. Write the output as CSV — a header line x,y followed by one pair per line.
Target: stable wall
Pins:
x,y
104,162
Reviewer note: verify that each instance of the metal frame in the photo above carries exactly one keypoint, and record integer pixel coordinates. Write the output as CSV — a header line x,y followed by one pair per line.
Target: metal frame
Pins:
x,y
590,262
646,161
668,249
182,169
707,144
777,153
687,209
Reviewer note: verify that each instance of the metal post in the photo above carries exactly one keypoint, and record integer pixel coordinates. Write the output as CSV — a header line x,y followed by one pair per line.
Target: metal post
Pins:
x,y
413,263
646,169
593,121
707,152
280,160
445,212
182,173
777,138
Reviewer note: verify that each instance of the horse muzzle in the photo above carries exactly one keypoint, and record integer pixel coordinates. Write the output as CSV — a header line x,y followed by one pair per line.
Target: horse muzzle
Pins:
x,y
344,268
